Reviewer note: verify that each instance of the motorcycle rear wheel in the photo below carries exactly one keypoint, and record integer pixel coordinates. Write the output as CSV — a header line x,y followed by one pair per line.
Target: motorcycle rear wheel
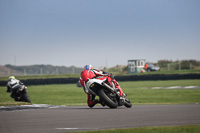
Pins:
x,y
107,100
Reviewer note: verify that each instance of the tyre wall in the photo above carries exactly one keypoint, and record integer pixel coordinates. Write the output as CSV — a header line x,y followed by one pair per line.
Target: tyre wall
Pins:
x,y
118,78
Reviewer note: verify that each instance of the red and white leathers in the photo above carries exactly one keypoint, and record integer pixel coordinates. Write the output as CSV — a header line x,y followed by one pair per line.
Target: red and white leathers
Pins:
x,y
93,74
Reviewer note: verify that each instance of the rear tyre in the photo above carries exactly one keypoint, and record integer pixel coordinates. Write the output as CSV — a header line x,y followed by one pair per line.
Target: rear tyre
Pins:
x,y
112,103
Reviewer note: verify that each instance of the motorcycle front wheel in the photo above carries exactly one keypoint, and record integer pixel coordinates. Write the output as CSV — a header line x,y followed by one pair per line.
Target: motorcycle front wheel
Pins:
x,y
25,98
110,102
127,103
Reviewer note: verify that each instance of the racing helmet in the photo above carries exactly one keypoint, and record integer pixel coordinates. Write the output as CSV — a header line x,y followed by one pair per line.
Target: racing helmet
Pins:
x,y
88,67
11,77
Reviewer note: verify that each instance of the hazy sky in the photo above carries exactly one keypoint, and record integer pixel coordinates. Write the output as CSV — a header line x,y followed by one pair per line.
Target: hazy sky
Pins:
x,y
98,32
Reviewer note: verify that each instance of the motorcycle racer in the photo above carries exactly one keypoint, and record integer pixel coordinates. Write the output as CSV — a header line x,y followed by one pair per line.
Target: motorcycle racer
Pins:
x,y
94,73
11,87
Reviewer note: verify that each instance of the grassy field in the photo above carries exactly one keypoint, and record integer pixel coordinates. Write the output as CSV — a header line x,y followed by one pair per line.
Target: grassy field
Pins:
x,y
139,92
117,72
24,77
167,129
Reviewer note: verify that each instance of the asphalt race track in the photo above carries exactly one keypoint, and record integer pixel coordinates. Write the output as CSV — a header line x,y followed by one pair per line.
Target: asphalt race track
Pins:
x,y
60,119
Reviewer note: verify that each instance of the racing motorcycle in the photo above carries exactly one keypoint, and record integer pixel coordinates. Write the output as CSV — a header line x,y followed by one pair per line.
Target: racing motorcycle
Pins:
x,y
107,91
19,93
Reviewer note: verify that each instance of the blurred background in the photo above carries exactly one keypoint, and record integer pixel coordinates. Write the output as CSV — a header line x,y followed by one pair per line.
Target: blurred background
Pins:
x,y
61,36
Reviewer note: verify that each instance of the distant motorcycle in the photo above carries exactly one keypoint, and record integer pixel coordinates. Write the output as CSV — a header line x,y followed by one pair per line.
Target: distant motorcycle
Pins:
x,y
19,93
111,96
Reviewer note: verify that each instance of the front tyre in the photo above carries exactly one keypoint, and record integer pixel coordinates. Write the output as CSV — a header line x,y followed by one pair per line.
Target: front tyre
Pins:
x,y
25,98
110,102
127,103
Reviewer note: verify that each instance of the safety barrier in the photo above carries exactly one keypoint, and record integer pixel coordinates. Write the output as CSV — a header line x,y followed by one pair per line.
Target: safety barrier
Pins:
x,y
118,78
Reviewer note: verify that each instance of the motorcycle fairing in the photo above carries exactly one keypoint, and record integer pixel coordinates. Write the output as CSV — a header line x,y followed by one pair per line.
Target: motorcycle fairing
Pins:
x,y
91,82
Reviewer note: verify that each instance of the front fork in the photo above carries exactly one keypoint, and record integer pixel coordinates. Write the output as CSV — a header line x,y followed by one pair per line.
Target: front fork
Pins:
x,y
117,87
117,90
120,93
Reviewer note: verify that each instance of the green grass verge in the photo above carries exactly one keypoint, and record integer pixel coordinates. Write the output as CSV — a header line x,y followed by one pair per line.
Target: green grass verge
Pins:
x,y
167,129
24,77
118,73
138,92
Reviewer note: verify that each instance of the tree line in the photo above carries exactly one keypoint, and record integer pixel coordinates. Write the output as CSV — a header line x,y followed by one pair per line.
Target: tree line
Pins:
x,y
178,64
